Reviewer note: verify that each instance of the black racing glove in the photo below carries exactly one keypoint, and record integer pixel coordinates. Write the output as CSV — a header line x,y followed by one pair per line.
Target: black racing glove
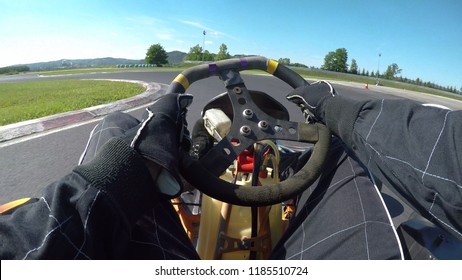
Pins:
x,y
313,99
161,136
202,141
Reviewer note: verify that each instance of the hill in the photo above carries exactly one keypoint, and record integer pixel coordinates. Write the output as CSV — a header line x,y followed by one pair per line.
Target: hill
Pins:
x,y
80,63
174,57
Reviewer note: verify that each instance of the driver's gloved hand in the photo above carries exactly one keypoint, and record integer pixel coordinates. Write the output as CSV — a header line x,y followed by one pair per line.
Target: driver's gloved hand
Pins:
x,y
161,136
202,141
313,99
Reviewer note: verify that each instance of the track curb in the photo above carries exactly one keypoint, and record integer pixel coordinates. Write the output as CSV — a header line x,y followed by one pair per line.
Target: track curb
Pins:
x,y
25,128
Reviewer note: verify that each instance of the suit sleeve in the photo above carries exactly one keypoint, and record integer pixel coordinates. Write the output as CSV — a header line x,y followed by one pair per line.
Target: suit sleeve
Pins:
x,y
416,149
88,214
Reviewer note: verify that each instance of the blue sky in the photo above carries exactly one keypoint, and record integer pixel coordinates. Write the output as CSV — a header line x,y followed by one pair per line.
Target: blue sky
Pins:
x,y
423,37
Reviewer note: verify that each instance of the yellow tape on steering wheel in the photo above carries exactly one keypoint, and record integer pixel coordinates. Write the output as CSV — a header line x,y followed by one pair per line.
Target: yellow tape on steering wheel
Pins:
x,y
271,67
182,80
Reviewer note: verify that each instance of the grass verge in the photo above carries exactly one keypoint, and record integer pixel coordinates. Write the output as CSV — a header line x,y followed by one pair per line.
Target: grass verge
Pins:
x,y
30,100
306,73
332,76
106,70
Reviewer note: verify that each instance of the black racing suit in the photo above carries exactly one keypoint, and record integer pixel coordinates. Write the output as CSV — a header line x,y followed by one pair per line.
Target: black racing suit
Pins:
x,y
99,211
108,209
415,149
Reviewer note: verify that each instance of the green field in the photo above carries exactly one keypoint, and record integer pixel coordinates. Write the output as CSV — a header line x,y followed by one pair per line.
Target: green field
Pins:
x,y
106,70
333,76
30,100
306,73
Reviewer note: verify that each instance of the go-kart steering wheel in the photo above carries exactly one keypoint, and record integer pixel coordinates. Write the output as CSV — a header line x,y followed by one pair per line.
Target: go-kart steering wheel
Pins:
x,y
250,124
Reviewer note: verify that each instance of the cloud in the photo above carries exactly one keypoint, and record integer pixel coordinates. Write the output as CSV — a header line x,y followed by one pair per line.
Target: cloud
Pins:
x,y
195,24
215,33
156,27
209,31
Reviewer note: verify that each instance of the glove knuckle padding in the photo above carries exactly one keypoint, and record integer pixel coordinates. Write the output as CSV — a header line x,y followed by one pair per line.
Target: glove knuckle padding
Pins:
x,y
312,97
158,137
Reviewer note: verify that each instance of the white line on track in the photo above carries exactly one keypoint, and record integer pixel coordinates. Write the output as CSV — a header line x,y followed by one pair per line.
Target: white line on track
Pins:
x,y
52,131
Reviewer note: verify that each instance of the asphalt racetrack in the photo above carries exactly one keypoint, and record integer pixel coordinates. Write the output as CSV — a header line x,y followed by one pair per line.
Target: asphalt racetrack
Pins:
x,y
28,164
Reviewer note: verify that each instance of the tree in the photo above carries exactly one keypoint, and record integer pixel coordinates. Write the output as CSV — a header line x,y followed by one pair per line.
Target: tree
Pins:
x,y
195,53
156,55
296,64
392,70
223,53
208,56
284,61
336,61
14,69
354,67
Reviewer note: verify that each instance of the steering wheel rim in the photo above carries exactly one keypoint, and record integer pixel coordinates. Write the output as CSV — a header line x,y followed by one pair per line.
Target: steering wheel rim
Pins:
x,y
203,173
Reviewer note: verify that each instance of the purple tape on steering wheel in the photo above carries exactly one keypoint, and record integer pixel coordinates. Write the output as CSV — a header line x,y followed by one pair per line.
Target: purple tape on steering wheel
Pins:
x,y
244,63
213,69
